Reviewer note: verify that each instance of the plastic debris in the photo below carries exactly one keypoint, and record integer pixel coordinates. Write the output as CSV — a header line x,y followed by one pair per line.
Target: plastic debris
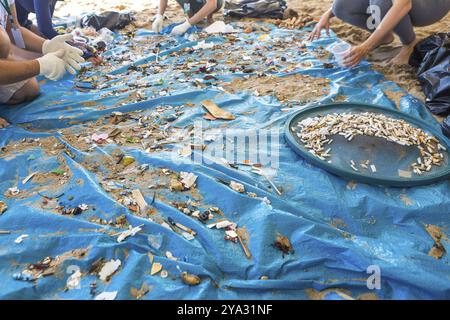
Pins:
x,y
170,256
139,198
156,267
20,239
129,233
164,274
216,111
14,191
25,275
73,282
236,186
3,207
28,178
108,269
190,279
188,179
283,244
219,27
99,138
203,45
107,295
127,160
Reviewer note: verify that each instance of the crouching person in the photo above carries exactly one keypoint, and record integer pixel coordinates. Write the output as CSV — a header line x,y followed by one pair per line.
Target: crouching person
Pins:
x,y
196,10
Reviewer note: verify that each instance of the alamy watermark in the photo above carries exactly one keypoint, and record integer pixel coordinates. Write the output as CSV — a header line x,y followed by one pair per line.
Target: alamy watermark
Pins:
x,y
231,146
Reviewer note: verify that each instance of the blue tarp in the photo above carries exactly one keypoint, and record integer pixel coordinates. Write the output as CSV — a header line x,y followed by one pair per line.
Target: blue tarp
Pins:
x,y
337,228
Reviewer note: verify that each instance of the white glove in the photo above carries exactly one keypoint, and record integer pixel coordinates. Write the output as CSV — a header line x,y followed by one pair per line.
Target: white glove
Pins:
x,y
158,23
72,56
181,29
52,66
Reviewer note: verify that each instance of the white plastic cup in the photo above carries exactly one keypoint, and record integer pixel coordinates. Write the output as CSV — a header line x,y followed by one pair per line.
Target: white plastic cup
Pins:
x,y
340,50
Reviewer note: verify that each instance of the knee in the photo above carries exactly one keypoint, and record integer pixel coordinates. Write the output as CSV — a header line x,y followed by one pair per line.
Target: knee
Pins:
x,y
340,8
28,92
383,5
5,44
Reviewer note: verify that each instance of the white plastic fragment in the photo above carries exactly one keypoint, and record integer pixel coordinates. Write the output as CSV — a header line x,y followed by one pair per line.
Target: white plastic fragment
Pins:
x,y
219,27
188,179
107,295
108,269
129,233
238,187
73,282
19,239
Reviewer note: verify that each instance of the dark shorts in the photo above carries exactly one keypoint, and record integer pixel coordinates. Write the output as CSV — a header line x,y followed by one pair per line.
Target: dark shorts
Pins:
x,y
196,5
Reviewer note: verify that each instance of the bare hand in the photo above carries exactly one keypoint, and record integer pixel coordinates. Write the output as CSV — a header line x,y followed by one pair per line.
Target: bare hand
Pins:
x,y
324,23
354,57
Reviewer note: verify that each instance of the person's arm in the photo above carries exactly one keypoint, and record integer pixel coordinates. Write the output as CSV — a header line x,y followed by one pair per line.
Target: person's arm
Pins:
x,y
209,7
162,7
18,71
396,13
44,18
32,41
324,23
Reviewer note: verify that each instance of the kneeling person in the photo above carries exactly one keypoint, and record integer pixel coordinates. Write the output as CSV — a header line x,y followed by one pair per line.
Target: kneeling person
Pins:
x,y
18,71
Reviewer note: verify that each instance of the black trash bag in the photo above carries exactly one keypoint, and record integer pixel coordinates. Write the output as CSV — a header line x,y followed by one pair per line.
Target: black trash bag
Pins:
x,y
432,58
446,127
273,9
111,20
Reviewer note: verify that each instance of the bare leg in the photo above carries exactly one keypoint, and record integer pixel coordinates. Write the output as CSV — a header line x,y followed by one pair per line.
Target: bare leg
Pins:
x,y
27,93
403,56
31,88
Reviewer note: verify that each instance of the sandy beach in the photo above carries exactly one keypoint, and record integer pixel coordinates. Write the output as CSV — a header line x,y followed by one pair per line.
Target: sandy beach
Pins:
x,y
402,75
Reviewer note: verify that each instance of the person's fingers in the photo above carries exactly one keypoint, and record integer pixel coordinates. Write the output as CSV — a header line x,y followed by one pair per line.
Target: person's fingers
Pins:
x,y
60,53
76,57
70,69
75,50
72,63
66,37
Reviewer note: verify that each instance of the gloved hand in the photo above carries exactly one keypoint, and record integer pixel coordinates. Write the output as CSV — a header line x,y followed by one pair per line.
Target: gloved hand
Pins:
x,y
72,56
181,29
52,66
158,23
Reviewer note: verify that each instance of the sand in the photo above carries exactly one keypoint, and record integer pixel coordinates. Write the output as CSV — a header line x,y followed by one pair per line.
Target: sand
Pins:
x,y
404,76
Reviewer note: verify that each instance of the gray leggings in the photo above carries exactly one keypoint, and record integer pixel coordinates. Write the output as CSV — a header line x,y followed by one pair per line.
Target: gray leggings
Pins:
x,y
423,13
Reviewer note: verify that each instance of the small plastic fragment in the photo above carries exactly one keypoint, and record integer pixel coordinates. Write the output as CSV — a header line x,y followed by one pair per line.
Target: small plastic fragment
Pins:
x,y
190,279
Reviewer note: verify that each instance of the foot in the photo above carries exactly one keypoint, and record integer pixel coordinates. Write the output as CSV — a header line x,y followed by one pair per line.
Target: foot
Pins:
x,y
210,19
3,123
402,57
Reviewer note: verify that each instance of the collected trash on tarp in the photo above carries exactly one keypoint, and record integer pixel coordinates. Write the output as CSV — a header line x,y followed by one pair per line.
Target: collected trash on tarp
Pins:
x,y
110,19
432,58
255,8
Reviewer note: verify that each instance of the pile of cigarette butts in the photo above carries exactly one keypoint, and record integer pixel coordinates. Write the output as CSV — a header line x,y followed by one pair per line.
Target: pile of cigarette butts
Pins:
x,y
316,133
